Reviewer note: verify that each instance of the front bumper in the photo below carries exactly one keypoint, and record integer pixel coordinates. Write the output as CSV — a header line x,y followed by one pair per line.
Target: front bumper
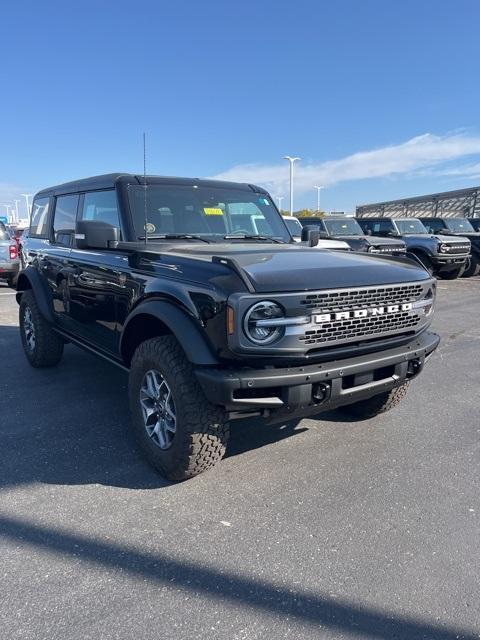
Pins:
x,y
448,262
301,391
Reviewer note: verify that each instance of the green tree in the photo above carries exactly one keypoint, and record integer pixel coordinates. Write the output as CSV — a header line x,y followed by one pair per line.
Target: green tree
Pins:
x,y
309,213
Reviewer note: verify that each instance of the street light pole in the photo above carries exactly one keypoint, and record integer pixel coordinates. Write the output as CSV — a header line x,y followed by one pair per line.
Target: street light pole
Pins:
x,y
280,198
292,161
16,208
318,196
26,196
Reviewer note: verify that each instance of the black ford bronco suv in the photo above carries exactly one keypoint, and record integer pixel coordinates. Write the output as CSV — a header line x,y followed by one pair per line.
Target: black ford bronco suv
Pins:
x,y
348,230
170,279
458,227
443,256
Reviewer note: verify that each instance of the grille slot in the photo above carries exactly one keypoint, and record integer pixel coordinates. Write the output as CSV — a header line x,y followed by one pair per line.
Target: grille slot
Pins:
x,y
363,328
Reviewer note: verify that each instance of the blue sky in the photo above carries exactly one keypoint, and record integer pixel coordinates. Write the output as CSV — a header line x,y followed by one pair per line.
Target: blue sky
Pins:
x,y
379,98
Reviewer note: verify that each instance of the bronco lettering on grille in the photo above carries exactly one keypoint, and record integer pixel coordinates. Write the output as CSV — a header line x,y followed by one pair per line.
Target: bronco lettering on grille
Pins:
x,y
320,318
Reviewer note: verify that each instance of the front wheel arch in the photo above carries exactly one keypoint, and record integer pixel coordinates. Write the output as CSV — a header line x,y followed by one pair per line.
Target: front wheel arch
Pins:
x,y
157,318
423,257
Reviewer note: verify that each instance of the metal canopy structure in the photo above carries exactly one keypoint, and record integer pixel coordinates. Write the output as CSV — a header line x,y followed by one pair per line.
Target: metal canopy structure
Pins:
x,y
463,203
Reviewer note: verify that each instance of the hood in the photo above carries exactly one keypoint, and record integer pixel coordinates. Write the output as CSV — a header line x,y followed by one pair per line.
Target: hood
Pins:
x,y
453,238
448,239
377,241
274,268
474,237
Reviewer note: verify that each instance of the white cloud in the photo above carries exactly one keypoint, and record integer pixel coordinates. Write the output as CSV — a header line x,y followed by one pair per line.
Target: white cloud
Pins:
x,y
415,155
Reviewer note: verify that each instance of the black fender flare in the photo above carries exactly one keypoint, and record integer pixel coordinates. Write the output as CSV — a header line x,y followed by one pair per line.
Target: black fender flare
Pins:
x,y
181,325
29,278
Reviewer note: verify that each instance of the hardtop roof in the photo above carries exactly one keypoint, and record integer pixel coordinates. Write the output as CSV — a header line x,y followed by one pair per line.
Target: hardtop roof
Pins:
x,y
109,180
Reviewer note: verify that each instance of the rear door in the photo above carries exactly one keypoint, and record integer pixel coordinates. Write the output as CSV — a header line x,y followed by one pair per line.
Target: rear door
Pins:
x,y
52,256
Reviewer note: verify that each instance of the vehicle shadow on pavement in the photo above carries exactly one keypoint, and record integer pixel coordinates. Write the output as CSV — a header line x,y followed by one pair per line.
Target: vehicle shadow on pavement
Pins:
x,y
253,433
70,424
287,603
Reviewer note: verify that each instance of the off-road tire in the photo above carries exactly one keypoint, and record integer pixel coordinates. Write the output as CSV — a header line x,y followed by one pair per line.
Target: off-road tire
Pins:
x,y
452,275
377,404
201,428
473,268
48,348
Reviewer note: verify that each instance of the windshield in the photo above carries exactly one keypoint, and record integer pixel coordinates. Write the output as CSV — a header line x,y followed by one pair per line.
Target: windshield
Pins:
x,y
4,235
210,213
410,226
459,225
294,226
347,227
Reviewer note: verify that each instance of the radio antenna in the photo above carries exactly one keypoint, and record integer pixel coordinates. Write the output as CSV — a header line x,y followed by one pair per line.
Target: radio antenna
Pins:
x,y
145,185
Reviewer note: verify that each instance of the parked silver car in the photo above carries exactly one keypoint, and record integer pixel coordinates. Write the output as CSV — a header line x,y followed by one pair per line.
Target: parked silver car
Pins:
x,y
9,260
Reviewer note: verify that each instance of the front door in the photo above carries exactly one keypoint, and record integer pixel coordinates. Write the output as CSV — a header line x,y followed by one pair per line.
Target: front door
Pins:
x,y
96,277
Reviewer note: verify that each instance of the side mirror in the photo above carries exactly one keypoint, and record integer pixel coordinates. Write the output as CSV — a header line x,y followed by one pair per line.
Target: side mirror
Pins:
x,y
311,235
94,234
393,234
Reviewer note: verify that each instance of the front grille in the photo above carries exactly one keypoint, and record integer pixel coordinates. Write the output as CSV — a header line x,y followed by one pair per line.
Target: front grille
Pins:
x,y
347,299
389,249
362,328
458,248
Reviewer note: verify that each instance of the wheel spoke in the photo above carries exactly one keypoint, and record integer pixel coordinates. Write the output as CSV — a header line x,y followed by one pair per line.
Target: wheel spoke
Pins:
x,y
161,433
170,426
148,410
150,385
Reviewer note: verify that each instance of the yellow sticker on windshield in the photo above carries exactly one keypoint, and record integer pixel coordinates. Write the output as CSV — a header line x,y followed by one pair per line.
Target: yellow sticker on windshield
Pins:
x,y
213,211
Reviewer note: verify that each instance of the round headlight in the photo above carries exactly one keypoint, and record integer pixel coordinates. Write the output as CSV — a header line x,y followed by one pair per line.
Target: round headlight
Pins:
x,y
444,248
262,323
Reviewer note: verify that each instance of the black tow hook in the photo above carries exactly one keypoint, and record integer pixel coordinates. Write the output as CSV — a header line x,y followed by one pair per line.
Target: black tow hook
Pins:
x,y
414,368
321,392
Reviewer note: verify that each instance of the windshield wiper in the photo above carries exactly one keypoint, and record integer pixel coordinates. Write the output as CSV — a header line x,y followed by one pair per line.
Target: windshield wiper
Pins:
x,y
245,236
174,236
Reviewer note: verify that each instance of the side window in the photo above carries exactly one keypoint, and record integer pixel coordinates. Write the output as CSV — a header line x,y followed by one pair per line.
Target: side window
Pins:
x,y
64,219
38,221
382,226
101,206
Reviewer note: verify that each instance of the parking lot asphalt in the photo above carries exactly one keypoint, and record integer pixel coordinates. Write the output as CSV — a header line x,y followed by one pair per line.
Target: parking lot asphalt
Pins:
x,y
322,528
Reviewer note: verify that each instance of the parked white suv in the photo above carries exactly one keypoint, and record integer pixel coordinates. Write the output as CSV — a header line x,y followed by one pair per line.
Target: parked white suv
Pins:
x,y
295,229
